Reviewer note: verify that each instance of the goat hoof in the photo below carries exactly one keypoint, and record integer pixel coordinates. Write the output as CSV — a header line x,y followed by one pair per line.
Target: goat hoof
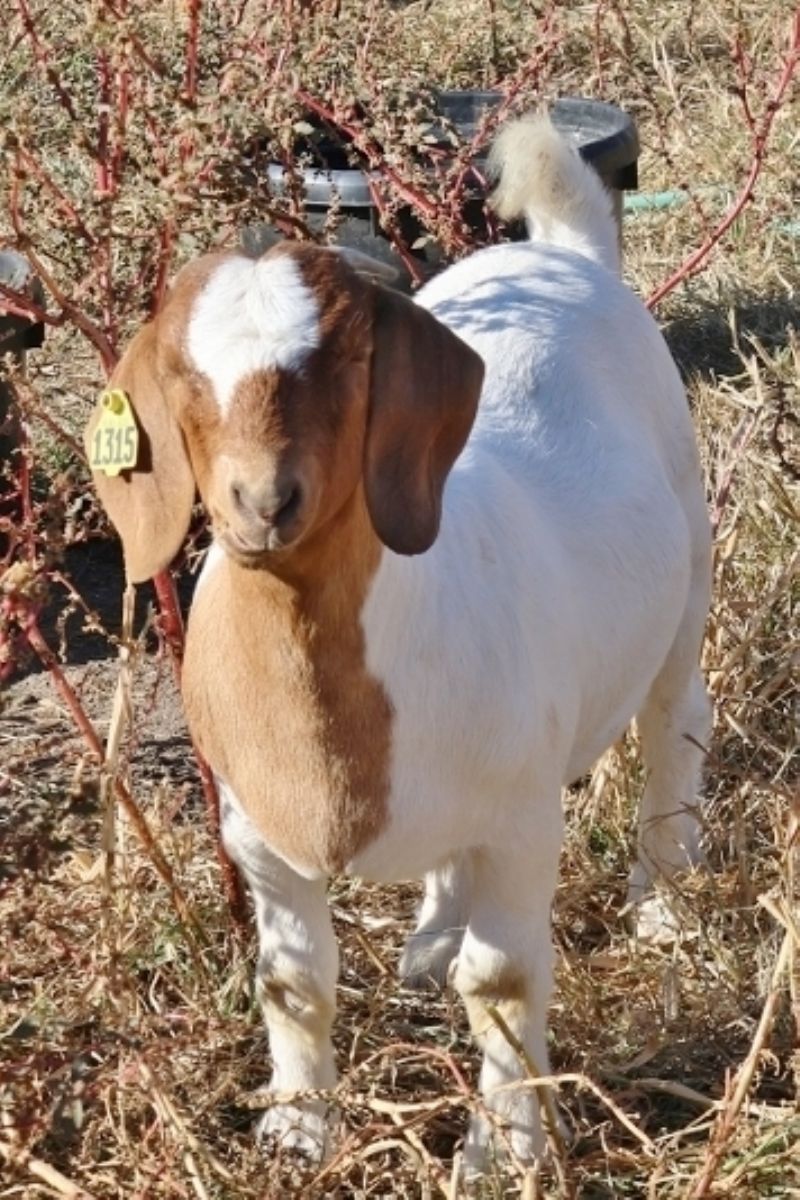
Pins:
x,y
426,960
654,920
516,1134
487,1148
297,1128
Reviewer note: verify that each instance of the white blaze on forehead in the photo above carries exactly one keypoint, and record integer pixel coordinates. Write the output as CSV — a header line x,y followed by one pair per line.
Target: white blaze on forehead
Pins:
x,y
252,316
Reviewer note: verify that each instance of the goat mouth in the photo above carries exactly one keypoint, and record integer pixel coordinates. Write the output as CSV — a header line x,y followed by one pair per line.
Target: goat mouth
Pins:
x,y
252,552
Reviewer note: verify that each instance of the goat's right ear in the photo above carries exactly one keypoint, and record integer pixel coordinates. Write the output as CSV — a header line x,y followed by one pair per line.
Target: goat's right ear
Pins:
x,y
150,505
424,389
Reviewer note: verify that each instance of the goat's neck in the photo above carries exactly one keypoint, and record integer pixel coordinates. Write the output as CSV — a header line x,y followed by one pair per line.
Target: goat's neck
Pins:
x,y
323,584
280,700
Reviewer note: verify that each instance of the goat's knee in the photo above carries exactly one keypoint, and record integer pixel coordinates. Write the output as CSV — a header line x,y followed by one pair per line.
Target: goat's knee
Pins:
x,y
296,981
298,1010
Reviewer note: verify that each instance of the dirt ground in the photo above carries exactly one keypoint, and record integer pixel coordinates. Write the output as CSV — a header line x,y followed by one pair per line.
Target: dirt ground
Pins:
x,y
38,733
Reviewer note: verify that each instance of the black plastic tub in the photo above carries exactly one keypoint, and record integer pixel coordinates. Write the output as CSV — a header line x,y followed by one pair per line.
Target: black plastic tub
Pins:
x,y
17,334
605,136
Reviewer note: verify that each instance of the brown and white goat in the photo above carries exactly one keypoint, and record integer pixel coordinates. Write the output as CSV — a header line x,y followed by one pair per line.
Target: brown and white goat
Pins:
x,y
393,677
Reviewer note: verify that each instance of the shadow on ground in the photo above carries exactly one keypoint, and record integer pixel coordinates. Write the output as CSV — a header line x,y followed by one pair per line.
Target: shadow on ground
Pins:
x,y
704,341
85,635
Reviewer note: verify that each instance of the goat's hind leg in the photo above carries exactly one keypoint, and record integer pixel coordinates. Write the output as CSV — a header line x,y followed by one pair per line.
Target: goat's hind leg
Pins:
x,y
674,725
441,922
296,983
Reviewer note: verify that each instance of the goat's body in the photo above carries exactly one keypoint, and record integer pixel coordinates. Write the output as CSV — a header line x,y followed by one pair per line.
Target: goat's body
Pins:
x,y
570,526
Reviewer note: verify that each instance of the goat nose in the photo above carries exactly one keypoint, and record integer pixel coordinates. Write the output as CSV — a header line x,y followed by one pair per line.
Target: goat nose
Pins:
x,y
271,503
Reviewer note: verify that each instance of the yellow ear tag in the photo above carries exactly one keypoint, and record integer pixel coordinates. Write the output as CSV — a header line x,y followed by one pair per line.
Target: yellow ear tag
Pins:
x,y
115,441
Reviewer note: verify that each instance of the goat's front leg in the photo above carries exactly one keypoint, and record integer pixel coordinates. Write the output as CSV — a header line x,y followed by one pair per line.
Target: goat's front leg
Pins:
x,y
504,974
296,983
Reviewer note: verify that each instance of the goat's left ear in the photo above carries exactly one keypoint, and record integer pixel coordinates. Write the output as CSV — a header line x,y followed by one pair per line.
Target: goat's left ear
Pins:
x,y
424,389
150,505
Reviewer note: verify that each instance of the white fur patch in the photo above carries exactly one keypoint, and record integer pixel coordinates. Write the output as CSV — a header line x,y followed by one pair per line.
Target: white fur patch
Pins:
x,y
252,316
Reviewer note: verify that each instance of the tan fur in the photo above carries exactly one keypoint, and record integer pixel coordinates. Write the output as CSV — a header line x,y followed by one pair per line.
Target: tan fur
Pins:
x,y
503,983
275,684
291,718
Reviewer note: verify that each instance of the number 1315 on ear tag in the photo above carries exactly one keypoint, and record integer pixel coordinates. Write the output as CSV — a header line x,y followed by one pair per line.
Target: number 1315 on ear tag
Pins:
x,y
115,441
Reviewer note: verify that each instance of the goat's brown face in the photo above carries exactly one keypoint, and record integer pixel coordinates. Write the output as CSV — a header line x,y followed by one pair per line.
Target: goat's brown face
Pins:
x,y
279,386
276,430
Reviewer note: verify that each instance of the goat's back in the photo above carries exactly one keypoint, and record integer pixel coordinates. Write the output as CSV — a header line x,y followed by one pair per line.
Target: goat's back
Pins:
x,y
575,365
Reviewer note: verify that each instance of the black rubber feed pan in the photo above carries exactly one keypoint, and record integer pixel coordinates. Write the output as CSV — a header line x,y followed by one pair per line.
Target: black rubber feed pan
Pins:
x,y
605,136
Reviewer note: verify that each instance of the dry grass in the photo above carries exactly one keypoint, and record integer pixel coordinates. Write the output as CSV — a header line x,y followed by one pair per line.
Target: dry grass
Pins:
x,y
130,1058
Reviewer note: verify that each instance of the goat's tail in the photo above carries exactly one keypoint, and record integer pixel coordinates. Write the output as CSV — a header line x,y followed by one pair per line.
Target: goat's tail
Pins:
x,y
541,177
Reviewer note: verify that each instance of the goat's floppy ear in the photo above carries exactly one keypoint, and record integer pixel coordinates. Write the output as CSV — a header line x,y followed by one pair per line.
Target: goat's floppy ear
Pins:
x,y
150,505
424,389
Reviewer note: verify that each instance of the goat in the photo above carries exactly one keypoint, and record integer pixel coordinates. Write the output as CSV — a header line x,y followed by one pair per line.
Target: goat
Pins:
x,y
395,678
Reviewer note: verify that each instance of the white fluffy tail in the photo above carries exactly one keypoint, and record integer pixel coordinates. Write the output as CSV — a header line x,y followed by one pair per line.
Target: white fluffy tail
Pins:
x,y
563,200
